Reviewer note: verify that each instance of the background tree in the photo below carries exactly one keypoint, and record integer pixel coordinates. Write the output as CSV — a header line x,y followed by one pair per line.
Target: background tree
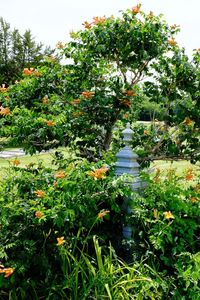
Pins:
x,y
18,51
175,87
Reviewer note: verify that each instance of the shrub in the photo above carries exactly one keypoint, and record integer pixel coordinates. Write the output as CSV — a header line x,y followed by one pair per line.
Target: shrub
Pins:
x,y
39,205
166,221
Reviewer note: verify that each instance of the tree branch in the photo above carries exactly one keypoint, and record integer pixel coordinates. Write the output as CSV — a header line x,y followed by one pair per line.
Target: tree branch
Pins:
x,y
138,74
167,158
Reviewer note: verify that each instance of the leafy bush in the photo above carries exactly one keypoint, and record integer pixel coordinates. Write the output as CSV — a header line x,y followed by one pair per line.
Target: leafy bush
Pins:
x,y
39,205
166,221
48,219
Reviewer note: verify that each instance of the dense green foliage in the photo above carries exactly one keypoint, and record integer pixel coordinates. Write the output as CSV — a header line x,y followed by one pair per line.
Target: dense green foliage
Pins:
x,y
58,223
49,218
116,68
176,88
166,224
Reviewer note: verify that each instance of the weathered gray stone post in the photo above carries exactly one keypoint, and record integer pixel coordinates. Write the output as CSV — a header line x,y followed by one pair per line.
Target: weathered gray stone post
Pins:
x,y
127,164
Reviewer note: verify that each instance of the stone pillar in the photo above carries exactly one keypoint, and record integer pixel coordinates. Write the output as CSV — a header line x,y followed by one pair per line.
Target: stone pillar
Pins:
x,y
127,164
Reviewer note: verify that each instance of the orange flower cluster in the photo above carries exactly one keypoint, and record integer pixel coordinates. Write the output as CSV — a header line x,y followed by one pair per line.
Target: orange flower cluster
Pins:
x,y
31,71
59,174
174,26
129,93
194,200
168,215
27,71
3,89
125,102
75,101
96,21
4,111
16,162
126,115
188,121
189,174
49,123
99,20
98,173
39,214
40,193
172,41
87,25
60,241
6,271
103,213
136,9
87,94
146,132
59,45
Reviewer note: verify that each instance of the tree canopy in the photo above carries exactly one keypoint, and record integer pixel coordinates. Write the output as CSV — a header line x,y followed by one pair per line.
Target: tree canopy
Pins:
x,y
113,65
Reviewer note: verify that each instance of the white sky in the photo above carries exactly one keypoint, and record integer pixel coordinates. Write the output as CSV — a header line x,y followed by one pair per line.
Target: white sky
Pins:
x,y
51,21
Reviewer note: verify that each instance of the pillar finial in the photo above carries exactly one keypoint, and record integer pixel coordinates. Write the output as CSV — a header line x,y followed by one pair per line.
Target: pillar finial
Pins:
x,y
127,134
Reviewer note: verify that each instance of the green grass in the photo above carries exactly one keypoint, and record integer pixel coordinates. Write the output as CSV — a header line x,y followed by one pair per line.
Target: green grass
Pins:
x,y
180,166
45,158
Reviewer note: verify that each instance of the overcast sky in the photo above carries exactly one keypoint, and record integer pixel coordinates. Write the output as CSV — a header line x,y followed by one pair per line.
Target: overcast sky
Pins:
x,y
51,21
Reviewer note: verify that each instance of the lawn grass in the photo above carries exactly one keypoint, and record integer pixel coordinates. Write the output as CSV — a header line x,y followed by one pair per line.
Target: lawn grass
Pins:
x,y
179,166
45,158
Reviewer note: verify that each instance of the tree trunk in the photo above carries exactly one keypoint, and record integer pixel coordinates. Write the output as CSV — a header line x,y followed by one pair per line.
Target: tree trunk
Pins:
x,y
108,138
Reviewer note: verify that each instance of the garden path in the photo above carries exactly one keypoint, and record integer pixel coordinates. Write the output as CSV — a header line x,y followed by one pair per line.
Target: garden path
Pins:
x,y
11,153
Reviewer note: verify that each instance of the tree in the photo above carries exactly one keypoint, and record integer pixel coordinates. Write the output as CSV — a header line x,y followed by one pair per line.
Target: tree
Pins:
x,y
112,61
175,86
17,52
